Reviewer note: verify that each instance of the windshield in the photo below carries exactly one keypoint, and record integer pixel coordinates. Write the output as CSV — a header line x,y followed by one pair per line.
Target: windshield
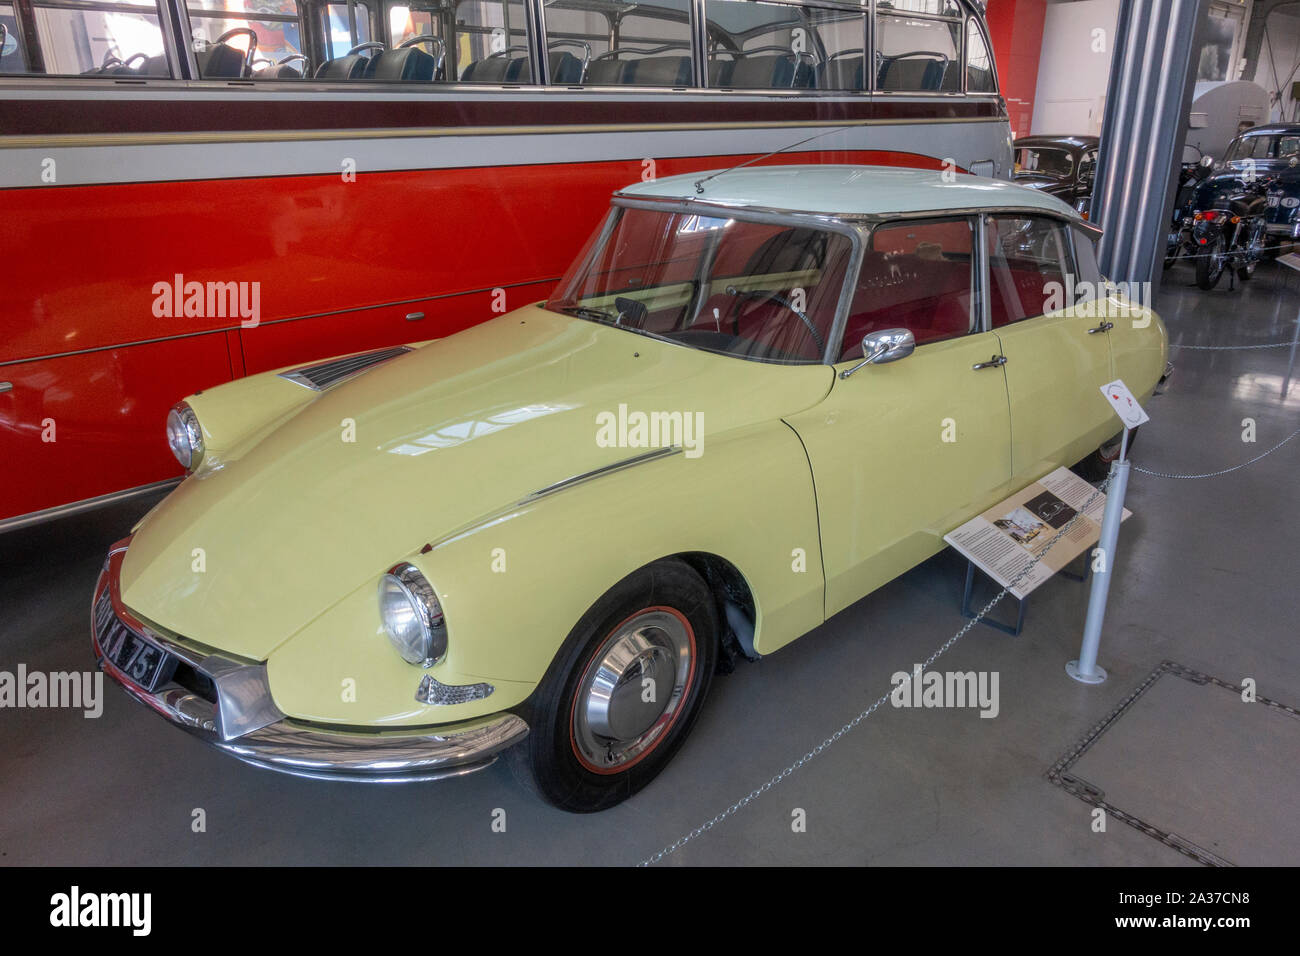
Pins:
x,y
1045,162
1264,147
755,290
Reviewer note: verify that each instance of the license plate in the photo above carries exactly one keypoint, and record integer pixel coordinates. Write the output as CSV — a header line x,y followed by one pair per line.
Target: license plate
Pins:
x,y
146,664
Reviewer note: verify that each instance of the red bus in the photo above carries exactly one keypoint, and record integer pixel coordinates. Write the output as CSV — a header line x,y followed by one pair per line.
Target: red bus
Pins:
x,y
196,190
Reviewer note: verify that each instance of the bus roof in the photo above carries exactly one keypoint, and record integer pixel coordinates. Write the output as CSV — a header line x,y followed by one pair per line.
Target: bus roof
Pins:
x,y
849,191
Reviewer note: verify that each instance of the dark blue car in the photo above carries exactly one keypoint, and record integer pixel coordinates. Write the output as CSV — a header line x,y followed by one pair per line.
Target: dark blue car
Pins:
x,y
1266,159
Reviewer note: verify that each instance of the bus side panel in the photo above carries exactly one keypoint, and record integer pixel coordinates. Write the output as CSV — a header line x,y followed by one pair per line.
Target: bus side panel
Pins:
x,y
86,425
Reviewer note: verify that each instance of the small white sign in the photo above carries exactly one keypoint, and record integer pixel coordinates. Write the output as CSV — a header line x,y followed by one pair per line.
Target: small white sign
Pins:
x,y
1125,405
1290,260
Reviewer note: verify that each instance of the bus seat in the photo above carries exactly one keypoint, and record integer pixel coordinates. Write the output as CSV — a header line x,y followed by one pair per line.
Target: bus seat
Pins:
x,y
911,73
221,61
496,69
350,67
842,73
565,68
659,71
403,65
610,71
778,72
720,71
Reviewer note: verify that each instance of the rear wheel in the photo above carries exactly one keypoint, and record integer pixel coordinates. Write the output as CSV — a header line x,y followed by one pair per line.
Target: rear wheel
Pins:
x,y
623,691
1210,260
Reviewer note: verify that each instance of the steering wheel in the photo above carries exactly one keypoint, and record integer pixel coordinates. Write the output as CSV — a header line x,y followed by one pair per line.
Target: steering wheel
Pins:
x,y
764,295
252,44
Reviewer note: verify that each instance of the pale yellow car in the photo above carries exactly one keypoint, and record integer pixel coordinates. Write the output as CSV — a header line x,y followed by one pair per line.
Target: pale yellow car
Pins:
x,y
755,397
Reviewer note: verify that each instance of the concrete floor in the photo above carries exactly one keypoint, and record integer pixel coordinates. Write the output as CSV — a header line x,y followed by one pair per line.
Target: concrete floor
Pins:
x,y
1206,578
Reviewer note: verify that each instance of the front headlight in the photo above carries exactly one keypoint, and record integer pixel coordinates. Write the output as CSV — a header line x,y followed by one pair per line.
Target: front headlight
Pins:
x,y
185,436
412,615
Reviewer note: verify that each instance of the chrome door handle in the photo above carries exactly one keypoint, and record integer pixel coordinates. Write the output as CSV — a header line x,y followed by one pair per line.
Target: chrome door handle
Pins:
x,y
994,362
6,386
1104,327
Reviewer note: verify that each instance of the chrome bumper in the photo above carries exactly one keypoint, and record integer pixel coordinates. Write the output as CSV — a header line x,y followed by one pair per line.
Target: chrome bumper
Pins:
x,y
227,703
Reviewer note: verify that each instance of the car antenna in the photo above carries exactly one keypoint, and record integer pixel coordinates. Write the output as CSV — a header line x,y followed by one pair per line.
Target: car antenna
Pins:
x,y
699,183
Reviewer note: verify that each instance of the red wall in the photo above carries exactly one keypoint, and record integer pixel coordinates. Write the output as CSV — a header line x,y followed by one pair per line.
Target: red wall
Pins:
x,y
1016,29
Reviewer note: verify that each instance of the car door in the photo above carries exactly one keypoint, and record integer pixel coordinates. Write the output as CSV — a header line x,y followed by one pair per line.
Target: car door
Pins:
x,y
903,452
1057,349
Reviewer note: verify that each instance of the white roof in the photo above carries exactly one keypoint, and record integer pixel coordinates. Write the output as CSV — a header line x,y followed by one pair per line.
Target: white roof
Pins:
x,y
849,190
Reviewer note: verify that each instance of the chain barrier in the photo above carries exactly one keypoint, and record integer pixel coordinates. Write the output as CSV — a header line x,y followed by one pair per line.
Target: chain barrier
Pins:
x,y
943,648
1222,471
1232,348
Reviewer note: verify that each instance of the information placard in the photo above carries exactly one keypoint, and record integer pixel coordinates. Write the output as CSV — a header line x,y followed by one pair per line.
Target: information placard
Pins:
x,y
1004,540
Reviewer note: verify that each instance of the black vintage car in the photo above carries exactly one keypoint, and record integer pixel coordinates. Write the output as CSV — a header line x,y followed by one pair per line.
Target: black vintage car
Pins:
x,y
1264,160
1064,166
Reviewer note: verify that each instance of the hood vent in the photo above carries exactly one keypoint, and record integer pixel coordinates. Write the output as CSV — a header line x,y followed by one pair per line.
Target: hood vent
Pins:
x,y
336,371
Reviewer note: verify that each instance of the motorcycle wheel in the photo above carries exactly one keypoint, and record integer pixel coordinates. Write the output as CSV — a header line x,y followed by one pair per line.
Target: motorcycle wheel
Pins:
x,y
1209,263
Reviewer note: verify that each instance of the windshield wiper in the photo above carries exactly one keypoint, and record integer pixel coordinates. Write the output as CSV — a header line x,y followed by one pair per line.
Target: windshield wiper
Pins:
x,y
582,312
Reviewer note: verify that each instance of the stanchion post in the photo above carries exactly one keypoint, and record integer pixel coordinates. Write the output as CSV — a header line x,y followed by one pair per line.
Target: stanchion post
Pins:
x,y
1085,669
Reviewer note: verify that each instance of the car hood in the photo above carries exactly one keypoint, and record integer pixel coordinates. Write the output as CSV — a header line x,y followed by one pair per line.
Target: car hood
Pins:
x,y
244,556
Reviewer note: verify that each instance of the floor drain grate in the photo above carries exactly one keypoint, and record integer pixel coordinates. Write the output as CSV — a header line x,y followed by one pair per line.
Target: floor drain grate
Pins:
x,y
1203,764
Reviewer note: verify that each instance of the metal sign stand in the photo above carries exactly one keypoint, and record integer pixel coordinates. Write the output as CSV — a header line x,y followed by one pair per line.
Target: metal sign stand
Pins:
x,y
1085,669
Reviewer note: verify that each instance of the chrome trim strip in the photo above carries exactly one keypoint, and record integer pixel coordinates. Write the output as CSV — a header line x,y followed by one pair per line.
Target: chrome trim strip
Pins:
x,y
241,724
87,504
510,510
599,473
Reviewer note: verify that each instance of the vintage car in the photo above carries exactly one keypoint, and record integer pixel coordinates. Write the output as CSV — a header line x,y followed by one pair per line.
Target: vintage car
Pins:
x,y
1264,160
1065,166
755,397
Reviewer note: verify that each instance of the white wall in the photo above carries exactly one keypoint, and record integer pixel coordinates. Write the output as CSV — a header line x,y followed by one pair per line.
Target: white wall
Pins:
x,y
1074,67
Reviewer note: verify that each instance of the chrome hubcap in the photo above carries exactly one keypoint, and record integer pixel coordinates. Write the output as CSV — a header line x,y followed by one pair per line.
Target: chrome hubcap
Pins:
x,y
632,690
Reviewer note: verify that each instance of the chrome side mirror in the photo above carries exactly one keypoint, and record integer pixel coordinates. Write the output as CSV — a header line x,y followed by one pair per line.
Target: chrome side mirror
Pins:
x,y
881,347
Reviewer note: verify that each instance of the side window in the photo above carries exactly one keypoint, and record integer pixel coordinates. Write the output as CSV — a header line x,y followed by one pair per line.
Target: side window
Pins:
x,y
918,54
343,31
916,275
774,46
652,47
573,36
1087,167
12,59
116,38
254,42
979,65
491,43
1028,263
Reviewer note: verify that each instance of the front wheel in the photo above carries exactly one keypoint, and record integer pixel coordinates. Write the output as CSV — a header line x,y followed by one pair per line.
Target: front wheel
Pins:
x,y
1210,262
623,692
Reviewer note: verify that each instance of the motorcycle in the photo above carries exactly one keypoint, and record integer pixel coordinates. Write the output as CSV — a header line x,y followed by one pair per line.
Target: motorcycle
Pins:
x,y
1180,243
1231,235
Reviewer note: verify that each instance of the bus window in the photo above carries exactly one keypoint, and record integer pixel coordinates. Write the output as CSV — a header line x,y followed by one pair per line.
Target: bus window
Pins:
x,y
260,39
979,66
342,31
116,38
651,43
491,43
918,53
779,46
11,53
